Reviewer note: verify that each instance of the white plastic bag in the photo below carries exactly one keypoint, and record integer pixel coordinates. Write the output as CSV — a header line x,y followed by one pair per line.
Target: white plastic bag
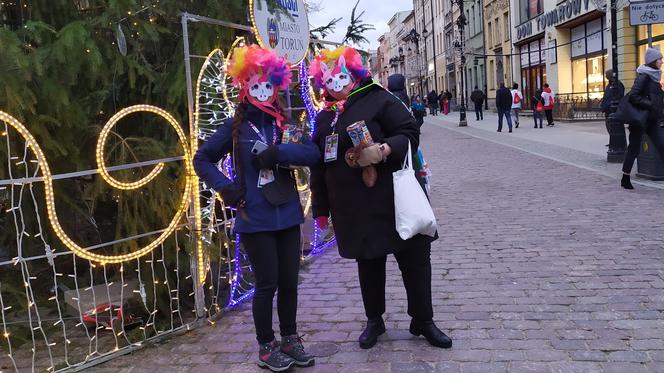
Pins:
x,y
412,209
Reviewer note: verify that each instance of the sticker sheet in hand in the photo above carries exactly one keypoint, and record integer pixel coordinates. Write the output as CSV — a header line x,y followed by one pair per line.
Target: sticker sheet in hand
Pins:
x,y
292,134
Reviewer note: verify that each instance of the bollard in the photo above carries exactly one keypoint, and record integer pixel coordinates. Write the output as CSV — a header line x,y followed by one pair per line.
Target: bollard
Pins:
x,y
650,164
617,139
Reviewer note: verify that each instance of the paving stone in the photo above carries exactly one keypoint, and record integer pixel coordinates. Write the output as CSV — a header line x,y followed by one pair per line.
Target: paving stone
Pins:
x,y
540,267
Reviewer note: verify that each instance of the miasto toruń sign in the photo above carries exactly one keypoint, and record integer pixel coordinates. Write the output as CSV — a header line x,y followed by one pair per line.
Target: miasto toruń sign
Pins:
x,y
562,13
287,34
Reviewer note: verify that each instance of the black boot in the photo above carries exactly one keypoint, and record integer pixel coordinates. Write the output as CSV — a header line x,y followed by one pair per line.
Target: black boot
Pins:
x,y
626,183
369,336
430,331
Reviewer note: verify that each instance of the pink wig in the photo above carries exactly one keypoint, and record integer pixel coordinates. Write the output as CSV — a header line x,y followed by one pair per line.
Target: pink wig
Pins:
x,y
330,57
251,60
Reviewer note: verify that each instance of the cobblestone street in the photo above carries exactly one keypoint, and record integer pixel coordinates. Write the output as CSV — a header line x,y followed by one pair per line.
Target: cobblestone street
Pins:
x,y
541,266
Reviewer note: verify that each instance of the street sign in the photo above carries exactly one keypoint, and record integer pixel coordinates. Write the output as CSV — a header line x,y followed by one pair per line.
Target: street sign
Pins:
x,y
646,13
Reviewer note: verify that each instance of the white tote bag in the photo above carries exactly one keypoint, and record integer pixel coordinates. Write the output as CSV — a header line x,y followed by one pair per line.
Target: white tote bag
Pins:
x,y
412,209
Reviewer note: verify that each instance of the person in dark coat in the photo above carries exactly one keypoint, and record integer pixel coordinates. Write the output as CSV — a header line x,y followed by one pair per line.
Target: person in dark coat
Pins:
x,y
396,83
264,192
419,110
504,106
613,92
364,217
432,101
646,94
477,97
538,108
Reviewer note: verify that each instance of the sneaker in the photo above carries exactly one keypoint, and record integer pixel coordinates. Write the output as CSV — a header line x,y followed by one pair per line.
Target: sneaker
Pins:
x,y
270,357
292,346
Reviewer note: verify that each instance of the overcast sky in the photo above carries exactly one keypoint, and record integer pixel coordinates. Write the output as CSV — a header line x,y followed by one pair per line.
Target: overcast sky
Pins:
x,y
378,13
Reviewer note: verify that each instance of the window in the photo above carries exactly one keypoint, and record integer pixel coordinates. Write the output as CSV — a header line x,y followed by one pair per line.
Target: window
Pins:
x,y
506,25
529,9
497,31
489,35
492,82
589,60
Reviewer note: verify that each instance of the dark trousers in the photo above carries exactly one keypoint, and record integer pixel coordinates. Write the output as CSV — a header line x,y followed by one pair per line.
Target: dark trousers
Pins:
x,y
549,116
415,266
478,111
634,147
508,116
433,109
537,115
275,259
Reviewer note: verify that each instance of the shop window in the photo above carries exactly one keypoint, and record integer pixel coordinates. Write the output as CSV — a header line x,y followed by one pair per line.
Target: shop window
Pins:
x,y
657,30
579,81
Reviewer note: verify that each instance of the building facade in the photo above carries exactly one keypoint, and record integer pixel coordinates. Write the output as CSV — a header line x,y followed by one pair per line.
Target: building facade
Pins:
x,y
397,61
498,32
564,44
475,71
383,56
632,43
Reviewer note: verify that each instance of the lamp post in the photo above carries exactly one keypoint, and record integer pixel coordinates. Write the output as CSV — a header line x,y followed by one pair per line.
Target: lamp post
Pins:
x,y
459,46
414,37
615,127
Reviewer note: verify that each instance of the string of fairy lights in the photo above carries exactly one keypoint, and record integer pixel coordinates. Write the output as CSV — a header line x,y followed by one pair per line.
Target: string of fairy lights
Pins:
x,y
85,317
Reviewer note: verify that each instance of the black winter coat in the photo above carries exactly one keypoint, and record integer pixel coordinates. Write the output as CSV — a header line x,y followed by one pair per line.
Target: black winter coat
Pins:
x,y
364,218
504,99
647,94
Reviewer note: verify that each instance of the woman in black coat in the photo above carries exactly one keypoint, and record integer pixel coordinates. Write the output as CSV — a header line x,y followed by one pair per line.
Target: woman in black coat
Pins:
x,y
364,217
646,94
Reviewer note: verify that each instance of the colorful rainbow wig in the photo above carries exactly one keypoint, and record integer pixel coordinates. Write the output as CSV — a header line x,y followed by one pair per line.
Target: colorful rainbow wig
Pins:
x,y
330,57
251,60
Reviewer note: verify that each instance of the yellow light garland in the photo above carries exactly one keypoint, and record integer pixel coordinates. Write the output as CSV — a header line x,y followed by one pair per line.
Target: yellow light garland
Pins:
x,y
49,194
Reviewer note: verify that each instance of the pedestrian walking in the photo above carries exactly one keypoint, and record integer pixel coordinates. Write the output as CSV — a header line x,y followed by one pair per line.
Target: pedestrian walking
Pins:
x,y
504,106
419,110
613,92
362,208
538,107
477,97
549,101
263,190
396,83
517,98
447,100
441,101
432,100
646,95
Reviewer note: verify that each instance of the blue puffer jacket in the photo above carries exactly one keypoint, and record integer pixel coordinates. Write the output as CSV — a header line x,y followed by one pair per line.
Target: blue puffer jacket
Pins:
x,y
261,215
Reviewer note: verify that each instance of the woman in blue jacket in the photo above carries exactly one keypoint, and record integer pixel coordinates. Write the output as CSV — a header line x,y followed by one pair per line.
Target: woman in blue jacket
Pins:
x,y
264,192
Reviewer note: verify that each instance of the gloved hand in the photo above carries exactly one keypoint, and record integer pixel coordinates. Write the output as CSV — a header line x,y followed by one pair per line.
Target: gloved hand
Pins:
x,y
267,159
322,222
233,195
370,155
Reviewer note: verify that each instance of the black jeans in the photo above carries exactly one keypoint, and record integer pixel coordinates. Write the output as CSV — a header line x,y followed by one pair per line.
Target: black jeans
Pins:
x,y
415,266
478,112
635,134
549,116
538,115
433,109
275,259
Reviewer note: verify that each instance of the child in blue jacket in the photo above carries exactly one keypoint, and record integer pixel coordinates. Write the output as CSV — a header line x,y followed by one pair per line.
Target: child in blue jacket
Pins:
x,y
264,192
